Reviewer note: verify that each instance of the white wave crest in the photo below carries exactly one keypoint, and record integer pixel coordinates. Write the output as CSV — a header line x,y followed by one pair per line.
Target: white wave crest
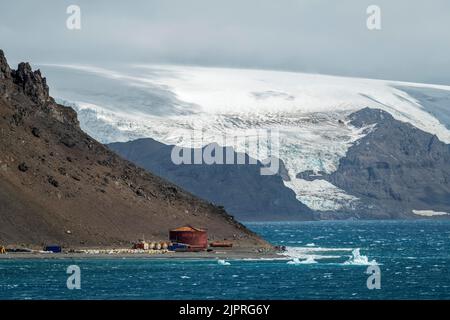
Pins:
x,y
310,253
309,260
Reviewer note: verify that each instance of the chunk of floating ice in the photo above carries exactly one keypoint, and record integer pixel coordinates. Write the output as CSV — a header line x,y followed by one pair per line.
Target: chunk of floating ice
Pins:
x,y
294,261
223,262
358,259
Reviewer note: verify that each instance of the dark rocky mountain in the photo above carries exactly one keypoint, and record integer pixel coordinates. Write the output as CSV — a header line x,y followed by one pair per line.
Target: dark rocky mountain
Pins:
x,y
241,189
58,185
395,169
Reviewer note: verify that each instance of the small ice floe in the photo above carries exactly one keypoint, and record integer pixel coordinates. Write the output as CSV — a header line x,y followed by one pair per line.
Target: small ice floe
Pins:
x,y
359,260
223,262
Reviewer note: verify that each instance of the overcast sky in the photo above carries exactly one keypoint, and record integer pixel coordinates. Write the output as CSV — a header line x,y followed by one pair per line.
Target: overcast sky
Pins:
x,y
323,36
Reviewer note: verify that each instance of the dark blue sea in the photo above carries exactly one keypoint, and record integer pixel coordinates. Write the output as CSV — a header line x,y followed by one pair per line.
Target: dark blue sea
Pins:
x,y
325,260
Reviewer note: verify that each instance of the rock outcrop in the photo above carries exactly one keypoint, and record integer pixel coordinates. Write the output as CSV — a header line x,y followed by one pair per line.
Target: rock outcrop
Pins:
x,y
32,83
5,71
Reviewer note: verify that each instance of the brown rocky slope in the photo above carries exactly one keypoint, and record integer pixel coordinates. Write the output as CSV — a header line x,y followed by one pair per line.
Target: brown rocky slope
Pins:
x,y
58,185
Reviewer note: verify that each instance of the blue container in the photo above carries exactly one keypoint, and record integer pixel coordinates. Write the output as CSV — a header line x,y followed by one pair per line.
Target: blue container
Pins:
x,y
54,249
178,247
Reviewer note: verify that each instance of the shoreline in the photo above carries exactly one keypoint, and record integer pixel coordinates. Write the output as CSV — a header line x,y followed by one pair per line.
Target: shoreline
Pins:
x,y
216,255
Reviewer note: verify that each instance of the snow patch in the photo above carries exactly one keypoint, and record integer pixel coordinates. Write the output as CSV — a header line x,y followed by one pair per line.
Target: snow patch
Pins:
x,y
429,213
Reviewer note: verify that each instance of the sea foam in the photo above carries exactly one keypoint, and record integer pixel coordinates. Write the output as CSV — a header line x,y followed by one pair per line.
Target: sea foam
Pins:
x,y
310,255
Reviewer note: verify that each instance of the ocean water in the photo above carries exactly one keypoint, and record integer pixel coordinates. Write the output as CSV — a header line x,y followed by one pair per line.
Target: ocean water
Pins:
x,y
325,260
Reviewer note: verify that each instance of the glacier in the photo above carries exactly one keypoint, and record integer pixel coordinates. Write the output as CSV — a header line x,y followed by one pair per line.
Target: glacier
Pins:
x,y
168,102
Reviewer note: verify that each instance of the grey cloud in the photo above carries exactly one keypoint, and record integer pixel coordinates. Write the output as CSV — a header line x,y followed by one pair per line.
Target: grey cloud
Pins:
x,y
324,36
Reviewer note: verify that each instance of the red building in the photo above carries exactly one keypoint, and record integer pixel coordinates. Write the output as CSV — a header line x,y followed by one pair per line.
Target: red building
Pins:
x,y
194,237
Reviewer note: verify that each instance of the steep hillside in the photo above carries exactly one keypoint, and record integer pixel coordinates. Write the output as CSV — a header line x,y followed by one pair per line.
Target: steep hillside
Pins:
x,y
57,184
